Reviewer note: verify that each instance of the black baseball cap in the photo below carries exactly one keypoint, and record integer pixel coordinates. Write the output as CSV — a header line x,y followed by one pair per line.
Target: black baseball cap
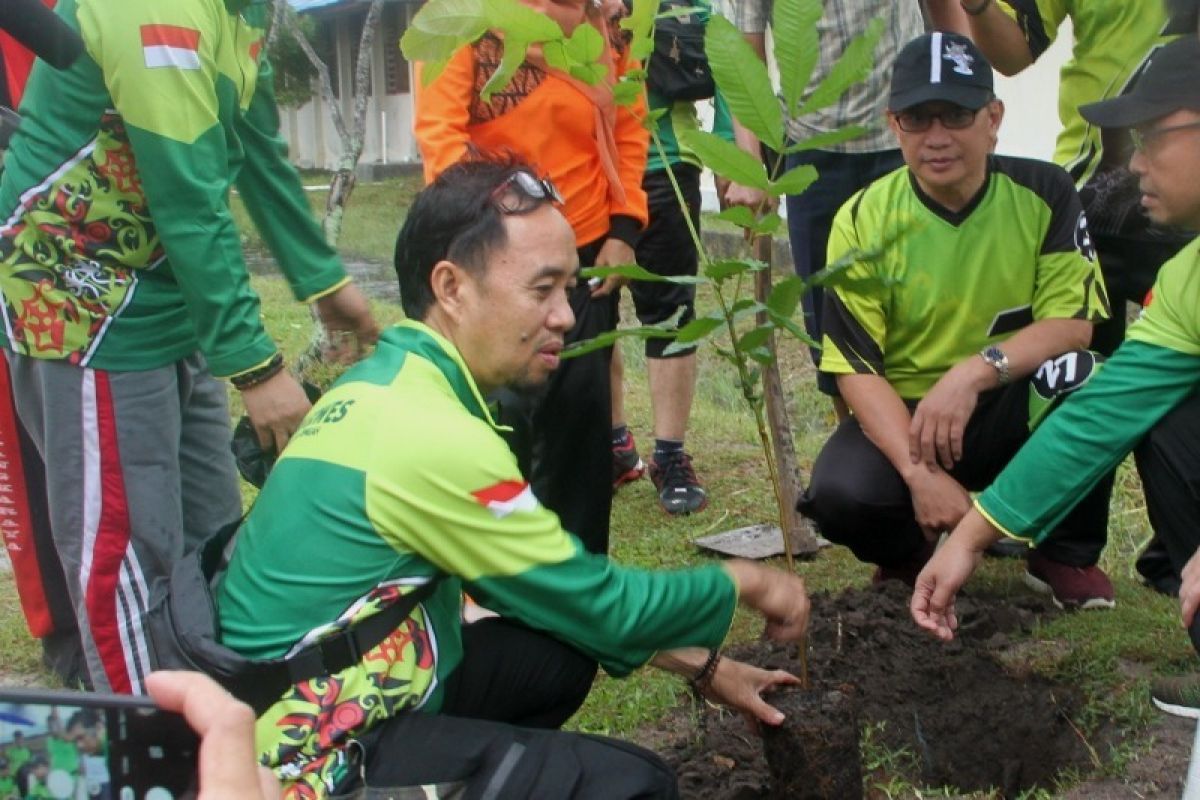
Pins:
x,y
1170,82
940,66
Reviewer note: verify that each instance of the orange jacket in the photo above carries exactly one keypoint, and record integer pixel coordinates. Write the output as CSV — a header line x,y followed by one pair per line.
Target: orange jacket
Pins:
x,y
546,121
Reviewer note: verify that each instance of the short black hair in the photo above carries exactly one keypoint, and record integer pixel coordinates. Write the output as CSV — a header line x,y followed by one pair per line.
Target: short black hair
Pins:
x,y
455,218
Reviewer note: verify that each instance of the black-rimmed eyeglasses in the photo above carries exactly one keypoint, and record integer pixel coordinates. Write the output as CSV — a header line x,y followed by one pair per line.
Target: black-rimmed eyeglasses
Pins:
x,y
918,120
1144,139
524,186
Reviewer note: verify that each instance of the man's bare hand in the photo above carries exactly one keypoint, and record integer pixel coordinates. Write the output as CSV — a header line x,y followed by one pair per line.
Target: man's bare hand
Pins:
x,y
935,435
754,199
939,501
779,596
228,765
346,315
741,687
613,253
1189,590
932,604
276,407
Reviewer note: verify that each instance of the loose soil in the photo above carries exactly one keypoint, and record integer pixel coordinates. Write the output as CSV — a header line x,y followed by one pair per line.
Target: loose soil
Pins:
x,y
969,714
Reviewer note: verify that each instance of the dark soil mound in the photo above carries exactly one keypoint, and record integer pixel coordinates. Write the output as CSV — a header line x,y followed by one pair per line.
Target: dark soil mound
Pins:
x,y
960,716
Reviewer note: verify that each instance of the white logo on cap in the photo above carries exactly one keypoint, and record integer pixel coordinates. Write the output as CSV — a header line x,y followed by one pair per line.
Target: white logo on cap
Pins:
x,y
961,58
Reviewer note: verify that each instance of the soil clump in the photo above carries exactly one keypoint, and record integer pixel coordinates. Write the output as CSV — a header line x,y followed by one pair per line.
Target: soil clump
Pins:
x,y
957,714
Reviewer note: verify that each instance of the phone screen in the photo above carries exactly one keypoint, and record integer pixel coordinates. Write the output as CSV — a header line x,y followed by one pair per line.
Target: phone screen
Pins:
x,y
70,746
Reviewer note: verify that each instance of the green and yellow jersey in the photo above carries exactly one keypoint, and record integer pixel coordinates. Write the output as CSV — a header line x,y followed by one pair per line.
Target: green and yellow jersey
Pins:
x,y
398,474
948,284
1156,368
1114,40
117,246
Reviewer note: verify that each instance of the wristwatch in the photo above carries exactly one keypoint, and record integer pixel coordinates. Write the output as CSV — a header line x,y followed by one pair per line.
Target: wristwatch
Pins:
x,y
995,357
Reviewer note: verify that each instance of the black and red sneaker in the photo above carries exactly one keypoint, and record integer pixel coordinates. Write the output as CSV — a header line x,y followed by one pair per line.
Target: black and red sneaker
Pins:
x,y
627,464
1069,587
679,491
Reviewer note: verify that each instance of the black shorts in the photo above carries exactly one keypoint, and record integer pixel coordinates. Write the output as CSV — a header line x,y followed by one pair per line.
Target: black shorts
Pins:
x,y
666,248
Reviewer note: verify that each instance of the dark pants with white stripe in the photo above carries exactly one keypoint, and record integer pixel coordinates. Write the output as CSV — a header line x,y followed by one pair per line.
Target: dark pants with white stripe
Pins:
x,y
859,499
495,737
137,466
1168,461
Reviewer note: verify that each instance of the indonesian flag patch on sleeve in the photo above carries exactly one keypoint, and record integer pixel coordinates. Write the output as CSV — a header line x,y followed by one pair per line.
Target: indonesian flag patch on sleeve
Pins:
x,y
171,46
506,497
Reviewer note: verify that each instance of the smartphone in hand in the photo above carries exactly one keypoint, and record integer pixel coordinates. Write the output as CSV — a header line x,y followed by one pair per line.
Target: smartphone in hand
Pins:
x,y
87,746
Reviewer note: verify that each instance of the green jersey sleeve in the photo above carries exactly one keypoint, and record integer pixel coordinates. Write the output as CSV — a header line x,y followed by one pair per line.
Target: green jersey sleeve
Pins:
x,y
1170,317
168,80
466,509
1068,280
275,198
1087,436
1039,20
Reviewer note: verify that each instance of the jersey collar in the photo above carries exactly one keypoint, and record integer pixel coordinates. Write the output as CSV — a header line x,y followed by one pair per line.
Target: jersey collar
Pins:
x,y
955,218
418,338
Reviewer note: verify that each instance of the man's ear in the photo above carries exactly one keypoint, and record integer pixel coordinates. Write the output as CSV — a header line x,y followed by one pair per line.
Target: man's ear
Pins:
x,y
449,283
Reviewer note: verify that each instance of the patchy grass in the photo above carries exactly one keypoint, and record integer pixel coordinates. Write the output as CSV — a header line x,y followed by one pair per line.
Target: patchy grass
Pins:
x,y
1108,654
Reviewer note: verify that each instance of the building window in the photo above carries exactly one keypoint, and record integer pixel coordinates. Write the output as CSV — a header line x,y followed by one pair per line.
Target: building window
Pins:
x,y
395,68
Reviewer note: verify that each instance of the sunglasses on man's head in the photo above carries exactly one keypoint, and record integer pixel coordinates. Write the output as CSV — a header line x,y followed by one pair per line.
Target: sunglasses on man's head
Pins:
x,y
520,187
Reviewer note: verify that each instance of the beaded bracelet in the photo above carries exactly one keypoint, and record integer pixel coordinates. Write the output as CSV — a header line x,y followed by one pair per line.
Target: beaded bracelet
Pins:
x,y
977,10
704,678
259,375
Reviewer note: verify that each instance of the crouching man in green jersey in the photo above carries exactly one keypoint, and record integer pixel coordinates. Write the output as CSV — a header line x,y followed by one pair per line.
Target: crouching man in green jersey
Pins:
x,y
399,477
985,271
1144,399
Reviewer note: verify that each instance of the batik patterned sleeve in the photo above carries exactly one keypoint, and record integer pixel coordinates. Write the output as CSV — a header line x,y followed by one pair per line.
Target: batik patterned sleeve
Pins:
x,y
170,82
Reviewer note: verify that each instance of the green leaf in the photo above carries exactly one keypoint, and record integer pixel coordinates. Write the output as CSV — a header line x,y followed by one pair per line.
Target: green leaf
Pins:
x,y
794,181
760,355
738,215
678,347
462,19
745,307
768,225
785,296
590,74
585,45
639,273
608,338
756,337
640,22
626,93
521,22
510,62
697,329
676,13
789,325
742,78
556,56
823,141
730,268
797,46
854,65
725,158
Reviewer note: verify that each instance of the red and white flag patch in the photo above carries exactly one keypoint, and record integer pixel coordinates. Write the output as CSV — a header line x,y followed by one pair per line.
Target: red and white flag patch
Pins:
x,y
171,46
506,497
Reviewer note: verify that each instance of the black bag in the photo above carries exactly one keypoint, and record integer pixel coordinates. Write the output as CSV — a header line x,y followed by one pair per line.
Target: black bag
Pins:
x,y
184,634
678,69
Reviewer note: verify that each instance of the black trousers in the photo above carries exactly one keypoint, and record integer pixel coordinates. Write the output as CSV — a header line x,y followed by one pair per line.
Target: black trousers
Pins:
x,y
561,436
1168,461
495,736
859,499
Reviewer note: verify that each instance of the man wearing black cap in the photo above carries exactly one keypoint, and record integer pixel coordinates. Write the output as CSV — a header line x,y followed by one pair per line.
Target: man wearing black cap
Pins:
x,y
985,271
1145,398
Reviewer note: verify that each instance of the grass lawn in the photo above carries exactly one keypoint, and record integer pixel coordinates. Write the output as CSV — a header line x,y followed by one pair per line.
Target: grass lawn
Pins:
x,y
1111,653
